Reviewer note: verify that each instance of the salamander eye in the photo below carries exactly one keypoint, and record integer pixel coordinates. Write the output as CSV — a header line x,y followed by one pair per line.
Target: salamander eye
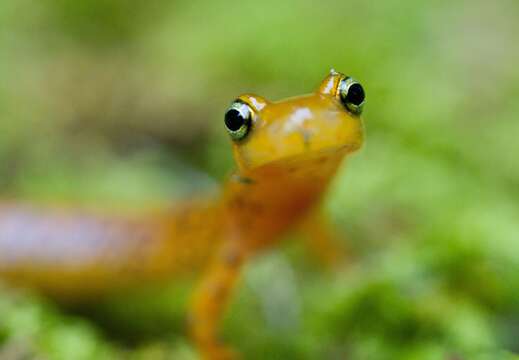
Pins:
x,y
238,120
352,95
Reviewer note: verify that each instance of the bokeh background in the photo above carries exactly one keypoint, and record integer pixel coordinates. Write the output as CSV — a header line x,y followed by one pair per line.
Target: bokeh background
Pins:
x,y
112,103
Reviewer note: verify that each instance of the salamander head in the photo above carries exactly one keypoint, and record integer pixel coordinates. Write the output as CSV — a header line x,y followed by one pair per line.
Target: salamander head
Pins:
x,y
323,124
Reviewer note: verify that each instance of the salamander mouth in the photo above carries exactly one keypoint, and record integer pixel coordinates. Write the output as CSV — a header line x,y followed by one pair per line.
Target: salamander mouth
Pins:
x,y
328,151
315,157
312,158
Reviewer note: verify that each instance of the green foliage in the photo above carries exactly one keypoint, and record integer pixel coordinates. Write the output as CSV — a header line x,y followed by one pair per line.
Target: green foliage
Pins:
x,y
30,327
103,22
105,102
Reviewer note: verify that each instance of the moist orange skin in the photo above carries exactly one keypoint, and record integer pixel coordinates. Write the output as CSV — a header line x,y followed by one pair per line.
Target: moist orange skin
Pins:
x,y
284,165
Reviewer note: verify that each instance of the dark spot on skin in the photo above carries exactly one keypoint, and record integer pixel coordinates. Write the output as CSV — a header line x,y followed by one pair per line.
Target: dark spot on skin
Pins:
x,y
232,257
243,179
182,220
217,290
254,207
238,202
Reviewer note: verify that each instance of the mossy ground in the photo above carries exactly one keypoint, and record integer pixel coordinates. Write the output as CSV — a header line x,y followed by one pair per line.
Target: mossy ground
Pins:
x,y
110,102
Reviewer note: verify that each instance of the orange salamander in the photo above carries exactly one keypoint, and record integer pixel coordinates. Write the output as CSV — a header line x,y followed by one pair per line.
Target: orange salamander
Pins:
x,y
286,153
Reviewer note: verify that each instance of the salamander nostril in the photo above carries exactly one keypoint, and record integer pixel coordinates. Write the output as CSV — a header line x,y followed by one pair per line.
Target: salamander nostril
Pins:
x,y
306,135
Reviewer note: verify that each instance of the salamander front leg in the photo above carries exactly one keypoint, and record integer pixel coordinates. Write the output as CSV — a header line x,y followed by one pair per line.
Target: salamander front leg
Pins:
x,y
210,301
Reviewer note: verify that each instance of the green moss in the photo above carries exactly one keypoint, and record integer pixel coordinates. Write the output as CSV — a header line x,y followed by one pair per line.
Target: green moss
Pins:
x,y
120,104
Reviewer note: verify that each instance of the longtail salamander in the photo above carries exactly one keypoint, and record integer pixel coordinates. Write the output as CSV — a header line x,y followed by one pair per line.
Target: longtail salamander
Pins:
x,y
286,153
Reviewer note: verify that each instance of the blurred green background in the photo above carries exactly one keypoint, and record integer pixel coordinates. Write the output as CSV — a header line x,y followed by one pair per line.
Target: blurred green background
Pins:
x,y
112,103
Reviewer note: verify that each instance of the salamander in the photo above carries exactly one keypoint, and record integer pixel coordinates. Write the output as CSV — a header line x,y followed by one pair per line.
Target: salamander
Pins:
x,y
286,154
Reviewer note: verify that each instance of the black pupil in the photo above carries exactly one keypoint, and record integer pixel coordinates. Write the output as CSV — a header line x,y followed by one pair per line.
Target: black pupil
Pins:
x,y
355,94
234,120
